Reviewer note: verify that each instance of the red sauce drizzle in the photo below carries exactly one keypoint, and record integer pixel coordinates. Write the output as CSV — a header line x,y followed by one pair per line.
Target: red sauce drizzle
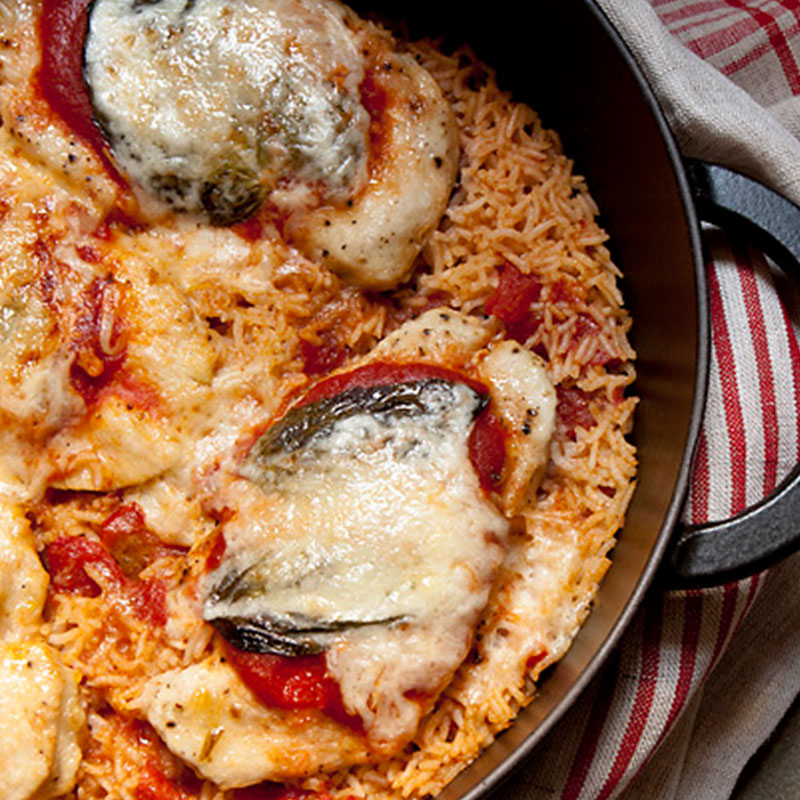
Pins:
x,y
375,102
93,369
294,684
95,372
62,31
511,302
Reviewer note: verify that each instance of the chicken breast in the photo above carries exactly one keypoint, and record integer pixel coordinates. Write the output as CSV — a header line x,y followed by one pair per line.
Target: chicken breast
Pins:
x,y
525,400
40,723
140,400
440,336
375,239
359,529
23,580
208,717
41,718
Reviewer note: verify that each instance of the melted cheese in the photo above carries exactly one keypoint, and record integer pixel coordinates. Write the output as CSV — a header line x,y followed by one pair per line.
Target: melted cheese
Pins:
x,y
208,103
129,436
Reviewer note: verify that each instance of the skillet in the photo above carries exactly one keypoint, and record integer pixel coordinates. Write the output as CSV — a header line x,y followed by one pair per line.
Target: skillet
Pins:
x,y
567,62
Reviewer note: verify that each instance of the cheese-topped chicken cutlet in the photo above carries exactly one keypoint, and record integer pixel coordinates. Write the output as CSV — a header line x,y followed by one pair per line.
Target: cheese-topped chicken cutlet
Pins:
x,y
214,108
361,533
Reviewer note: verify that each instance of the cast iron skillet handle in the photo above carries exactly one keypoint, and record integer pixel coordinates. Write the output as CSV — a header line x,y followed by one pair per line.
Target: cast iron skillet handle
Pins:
x,y
718,552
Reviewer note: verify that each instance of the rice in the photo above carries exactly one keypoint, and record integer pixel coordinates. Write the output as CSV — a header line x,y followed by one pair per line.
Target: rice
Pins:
x,y
518,202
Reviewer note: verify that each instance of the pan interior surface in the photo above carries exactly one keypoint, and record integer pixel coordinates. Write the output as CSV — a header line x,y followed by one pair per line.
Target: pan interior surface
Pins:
x,y
565,60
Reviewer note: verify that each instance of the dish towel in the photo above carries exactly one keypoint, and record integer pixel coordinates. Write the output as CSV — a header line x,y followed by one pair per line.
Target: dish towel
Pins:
x,y
702,678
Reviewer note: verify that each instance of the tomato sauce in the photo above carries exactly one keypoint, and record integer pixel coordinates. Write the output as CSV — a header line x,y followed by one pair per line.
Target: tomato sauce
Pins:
x,y
294,684
487,449
93,368
67,559
375,101
95,372
62,31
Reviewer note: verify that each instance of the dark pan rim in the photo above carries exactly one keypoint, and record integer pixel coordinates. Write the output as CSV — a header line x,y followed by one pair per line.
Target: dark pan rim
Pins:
x,y
466,786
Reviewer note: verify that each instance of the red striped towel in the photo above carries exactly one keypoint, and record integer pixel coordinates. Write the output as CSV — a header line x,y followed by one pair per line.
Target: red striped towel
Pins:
x,y
702,677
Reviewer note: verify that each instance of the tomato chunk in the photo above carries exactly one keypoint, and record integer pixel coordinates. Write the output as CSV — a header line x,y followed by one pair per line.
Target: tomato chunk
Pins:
x,y
573,409
132,545
323,357
294,684
511,301
67,559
